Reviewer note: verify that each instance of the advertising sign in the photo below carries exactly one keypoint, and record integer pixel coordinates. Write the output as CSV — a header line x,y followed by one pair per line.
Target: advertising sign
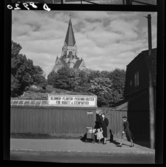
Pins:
x,y
72,100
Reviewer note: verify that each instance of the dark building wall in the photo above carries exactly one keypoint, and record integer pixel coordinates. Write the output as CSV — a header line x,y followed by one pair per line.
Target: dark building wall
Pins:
x,y
138,116
138,96
139,64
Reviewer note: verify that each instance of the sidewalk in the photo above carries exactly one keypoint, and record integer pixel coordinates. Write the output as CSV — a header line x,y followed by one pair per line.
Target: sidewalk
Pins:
x,y
74,145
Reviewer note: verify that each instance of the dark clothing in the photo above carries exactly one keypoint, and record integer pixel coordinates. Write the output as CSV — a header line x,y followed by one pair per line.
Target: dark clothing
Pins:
x,y
127,131
98,121
104,126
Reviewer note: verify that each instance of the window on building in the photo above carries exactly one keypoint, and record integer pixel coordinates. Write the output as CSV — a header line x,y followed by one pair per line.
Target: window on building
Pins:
x,y
136,77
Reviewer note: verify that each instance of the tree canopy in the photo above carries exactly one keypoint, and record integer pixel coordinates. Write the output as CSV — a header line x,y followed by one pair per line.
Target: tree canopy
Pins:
x,y
23,72
108,86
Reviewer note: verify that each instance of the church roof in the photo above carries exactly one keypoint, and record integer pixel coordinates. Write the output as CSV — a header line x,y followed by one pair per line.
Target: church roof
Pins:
x,y
70,39
64,63
78,63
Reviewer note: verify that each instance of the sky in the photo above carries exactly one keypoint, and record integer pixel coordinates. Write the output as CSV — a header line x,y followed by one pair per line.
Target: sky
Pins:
x,y
106,40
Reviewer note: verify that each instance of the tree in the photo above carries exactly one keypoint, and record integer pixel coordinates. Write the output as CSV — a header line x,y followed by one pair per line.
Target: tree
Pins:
x,y
67,79
62,79
93,74
101,87
83,85
118,83
108,86
38,77
23,72
51,78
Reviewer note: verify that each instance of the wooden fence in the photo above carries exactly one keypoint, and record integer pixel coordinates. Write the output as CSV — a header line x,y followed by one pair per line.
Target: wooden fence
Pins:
x,y
60,121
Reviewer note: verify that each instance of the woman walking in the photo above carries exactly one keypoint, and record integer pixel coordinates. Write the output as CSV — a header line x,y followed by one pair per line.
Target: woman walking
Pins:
x,y
104,127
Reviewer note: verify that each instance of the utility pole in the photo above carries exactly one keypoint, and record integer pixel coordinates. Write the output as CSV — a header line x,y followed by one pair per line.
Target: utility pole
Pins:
x,y
128,2
63,1
151,91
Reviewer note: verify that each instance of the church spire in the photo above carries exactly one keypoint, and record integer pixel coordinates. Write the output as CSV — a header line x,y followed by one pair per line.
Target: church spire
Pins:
x,y
70,39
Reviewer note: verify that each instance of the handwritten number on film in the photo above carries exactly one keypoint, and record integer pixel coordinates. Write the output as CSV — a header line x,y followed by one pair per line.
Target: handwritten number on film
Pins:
x,y
45,7
26,5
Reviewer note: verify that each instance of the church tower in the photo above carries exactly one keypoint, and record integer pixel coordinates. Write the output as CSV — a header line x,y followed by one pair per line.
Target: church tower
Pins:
x,y
69,57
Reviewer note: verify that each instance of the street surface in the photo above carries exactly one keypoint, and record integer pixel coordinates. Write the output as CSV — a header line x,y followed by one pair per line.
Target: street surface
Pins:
x,y
77,151
66,157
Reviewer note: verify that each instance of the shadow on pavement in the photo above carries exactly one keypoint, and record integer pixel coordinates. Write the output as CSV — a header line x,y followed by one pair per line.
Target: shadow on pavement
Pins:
x,y
83,138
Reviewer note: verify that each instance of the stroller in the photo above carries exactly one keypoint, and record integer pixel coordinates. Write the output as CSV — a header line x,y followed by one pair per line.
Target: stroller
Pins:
x,y
90,134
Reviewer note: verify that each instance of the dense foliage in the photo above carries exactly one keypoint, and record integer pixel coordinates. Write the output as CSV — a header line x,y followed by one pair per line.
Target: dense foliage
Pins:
x,y
108,86
23,72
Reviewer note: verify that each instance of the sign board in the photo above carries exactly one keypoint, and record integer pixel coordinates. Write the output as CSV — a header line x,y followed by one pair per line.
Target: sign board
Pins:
x,y
89,112
72,100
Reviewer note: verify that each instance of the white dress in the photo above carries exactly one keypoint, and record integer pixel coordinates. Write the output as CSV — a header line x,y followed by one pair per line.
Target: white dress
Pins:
x,y
99,135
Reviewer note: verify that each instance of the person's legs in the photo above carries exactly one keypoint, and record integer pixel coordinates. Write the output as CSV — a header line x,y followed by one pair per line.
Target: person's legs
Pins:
x,y
104,140
121,139
131,143
93,137
99,141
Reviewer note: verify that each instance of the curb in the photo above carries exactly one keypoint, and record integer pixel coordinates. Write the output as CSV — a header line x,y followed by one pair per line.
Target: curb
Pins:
x,y
79,151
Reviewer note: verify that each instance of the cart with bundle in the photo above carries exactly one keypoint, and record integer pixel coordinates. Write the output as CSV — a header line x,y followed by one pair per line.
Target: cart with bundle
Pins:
x,y
90,134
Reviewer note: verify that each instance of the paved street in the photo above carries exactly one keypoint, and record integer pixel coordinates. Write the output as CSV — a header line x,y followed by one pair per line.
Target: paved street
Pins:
x,y
75,145
75,150
74,157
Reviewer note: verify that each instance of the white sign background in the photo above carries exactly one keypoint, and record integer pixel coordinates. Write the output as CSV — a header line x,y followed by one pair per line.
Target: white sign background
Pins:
x,y
72,100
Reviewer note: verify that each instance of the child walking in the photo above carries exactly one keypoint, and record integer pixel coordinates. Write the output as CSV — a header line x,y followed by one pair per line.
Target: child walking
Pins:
x,y
127,132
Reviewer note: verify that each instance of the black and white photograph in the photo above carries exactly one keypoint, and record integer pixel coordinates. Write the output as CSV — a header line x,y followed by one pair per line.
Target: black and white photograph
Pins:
x,y
93,2
83,86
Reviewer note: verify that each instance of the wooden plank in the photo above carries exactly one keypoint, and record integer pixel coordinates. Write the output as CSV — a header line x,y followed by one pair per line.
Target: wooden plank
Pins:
x,y
119,122
42,121
34,130
39,121
25,120
116,125
33,118
50,121
45,123
53,113
58,121
21,121
112,116
115,122
12,121
66,121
